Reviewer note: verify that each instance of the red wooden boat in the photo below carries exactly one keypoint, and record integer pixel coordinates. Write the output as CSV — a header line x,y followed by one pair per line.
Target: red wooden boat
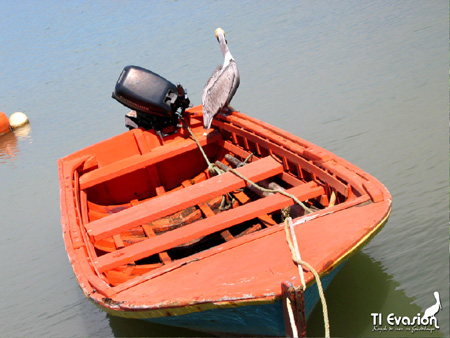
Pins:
x,y
148,235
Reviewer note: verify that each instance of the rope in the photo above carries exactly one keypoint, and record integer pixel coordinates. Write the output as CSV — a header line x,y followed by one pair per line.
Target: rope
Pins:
x,y
246,160
308,210
294,328
211,166
289,229
293,244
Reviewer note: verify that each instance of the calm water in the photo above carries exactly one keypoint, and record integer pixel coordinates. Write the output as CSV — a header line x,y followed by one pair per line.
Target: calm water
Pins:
x,y
364,79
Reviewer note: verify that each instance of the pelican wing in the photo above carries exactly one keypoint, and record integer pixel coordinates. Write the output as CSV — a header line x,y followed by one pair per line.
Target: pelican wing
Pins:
x,y
219,91
236,80
210,83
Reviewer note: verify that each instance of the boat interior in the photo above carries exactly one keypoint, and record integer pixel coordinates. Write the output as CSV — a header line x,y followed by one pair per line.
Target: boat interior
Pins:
x,y
146,202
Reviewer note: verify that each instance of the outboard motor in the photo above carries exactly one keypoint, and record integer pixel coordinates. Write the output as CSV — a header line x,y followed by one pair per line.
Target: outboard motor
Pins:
x,y
156,102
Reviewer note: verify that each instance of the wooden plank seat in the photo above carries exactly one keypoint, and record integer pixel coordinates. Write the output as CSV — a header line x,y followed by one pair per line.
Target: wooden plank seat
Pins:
x,y
178,200
136,162
207,226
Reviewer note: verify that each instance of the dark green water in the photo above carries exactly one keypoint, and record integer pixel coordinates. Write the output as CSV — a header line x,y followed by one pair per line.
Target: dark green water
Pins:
x,y
367,80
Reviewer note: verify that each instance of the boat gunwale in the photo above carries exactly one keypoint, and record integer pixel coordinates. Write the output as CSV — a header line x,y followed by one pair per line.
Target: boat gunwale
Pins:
x,y
101,295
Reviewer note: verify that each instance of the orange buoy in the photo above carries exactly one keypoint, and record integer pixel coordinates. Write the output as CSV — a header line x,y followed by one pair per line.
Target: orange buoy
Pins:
x,y
4,123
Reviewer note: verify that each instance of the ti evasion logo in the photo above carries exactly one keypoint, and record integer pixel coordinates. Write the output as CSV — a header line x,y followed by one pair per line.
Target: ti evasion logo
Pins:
x,y
426,322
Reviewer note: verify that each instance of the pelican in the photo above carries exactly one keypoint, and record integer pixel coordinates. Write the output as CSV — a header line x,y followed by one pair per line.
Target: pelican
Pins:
x,y
433,309
222,84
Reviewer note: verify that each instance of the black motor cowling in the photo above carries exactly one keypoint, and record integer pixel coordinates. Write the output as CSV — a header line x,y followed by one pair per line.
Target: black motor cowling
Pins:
x,y
155,99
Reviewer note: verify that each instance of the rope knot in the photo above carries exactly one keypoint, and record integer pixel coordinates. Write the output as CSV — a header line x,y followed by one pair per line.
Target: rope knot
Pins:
x,y
286,213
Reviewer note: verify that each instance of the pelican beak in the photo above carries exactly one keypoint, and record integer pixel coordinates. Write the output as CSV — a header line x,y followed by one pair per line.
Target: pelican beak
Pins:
x,y
218,32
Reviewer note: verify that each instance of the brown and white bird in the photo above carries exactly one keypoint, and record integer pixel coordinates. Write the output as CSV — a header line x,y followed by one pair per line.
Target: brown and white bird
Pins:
x,y
221,86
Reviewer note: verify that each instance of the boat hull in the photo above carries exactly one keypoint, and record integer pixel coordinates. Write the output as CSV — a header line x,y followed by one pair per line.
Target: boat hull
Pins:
x,y
258,320
147,239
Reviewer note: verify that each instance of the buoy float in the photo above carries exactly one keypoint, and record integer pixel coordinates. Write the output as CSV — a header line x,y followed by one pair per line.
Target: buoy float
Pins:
x,y
4,123
17,120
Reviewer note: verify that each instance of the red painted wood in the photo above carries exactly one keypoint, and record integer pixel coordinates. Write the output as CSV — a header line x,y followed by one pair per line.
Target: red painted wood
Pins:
x,y
236,243
286,152
256,268
205,227
135,162
246,269
374,191
181,199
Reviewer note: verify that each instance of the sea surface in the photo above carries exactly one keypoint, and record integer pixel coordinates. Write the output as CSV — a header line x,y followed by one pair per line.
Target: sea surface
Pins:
x,y
364,79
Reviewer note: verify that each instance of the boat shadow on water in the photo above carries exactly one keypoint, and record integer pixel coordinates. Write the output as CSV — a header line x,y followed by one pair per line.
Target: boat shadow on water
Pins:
x,y
359,290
